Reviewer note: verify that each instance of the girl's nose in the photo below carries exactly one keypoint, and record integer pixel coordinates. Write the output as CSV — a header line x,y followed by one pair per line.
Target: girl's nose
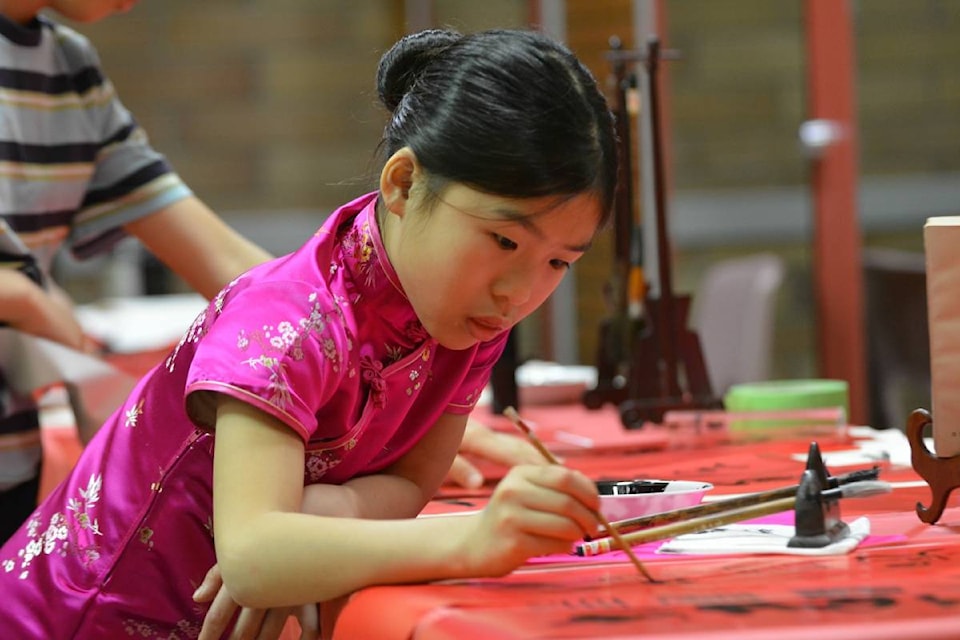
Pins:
x,y
514,287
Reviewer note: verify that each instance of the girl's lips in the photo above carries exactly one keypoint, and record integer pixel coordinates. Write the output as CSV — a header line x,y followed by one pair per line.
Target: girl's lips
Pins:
x,y
485,329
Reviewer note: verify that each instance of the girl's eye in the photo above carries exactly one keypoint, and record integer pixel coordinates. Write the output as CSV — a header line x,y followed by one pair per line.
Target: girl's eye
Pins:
x,y
560,265
504,242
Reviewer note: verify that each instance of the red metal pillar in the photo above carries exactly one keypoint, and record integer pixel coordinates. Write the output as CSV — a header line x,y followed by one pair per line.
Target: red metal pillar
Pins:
x,y
837,269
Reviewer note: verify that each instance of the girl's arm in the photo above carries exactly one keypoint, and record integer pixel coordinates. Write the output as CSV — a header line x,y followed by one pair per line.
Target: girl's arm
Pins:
x,y
272,555
483,443
399,491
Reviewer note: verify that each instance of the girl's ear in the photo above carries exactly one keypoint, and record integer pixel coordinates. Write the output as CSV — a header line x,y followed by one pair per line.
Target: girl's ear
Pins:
x,y
396,180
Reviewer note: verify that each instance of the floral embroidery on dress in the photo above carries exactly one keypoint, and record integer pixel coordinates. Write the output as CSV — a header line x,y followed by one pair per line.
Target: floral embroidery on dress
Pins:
x,y
222,294
394,352
83,510
372,372
286,339
415,331
280,395
319,463
184,629
415,382
416,374
61,536
131,415
358,246
473,396
365,254
330,352
198,328
193,334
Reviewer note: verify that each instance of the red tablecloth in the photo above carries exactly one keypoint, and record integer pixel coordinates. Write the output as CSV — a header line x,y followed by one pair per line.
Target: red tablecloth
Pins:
x,y
906,587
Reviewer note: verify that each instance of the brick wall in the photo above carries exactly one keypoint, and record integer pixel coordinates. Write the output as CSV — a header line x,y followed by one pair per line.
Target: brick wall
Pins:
x,y
260,105
266,105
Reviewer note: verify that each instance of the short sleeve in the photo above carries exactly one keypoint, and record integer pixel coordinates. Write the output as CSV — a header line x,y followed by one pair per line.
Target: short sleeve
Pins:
x,y
477,375
278,346
130,178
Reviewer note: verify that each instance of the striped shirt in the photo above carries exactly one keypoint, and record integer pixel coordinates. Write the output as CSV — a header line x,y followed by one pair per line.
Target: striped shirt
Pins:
x,y
74,168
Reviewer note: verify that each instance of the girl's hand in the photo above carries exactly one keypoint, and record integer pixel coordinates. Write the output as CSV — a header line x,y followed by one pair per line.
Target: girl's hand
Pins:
x,y
262,624
535,510
480,441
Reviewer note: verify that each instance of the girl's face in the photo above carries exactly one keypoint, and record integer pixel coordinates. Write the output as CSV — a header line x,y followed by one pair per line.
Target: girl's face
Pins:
x,y
474,264
90,10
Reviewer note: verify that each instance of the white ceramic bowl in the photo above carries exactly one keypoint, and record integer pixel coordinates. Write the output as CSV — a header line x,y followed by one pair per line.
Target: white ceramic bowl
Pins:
x,y
623,499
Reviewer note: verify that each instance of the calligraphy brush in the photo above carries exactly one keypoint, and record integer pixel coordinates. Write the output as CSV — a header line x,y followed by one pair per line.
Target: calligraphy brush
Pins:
x,y
629,525
694,525
515,418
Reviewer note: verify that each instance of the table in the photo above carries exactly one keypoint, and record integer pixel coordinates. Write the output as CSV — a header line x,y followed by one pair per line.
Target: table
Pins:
x,y
907,586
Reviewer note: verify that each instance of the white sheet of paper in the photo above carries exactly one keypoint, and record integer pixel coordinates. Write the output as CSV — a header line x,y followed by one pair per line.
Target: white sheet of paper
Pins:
x,y
145,323
761,538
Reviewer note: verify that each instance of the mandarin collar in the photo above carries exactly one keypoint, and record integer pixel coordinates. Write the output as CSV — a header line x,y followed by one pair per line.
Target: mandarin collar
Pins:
x,y
375,280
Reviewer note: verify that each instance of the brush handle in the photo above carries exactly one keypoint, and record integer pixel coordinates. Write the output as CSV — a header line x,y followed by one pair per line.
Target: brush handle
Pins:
x,y
672,530
511,413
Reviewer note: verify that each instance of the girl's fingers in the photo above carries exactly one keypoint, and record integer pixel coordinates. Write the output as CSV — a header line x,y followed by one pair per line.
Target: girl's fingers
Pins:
x,y
482,442
249,623
555,479
502,448
210,586
552,502
309,618
219,615
549,525
465,474
273,621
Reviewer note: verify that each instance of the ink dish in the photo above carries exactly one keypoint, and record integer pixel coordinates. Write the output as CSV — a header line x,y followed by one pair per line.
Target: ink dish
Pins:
x,y
622,499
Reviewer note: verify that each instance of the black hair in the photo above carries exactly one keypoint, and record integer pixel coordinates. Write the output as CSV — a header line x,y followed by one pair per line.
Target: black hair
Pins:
x,y
507,112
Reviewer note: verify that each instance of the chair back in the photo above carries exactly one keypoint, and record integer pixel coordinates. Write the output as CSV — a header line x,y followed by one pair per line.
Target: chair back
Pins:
x,y
734,313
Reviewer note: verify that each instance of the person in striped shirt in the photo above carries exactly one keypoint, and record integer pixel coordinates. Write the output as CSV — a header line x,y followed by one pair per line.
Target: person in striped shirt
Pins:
x,y
78,172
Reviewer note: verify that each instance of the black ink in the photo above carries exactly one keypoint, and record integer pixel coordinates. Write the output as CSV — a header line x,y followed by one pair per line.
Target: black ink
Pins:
x,y
459,503
946,603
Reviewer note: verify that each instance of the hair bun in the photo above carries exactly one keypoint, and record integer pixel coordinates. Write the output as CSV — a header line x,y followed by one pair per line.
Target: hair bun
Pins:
x,y
401,65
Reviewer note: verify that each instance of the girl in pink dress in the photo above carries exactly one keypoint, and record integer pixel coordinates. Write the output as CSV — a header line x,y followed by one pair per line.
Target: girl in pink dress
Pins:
x,y
315,406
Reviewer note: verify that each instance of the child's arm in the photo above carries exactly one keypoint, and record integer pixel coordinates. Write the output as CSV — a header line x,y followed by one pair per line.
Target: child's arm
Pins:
x,y
399,491
272,555
190,239
483,443
47,313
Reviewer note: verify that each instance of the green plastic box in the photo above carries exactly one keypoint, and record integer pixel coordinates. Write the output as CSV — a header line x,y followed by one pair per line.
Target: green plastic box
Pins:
x,y
784,395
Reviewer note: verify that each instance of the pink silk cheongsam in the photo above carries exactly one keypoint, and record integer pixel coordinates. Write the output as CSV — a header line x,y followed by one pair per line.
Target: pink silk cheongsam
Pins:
x,y
324,340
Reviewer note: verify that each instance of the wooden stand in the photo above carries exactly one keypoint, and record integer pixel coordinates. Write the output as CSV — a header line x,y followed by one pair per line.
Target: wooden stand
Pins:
x,y
942,474
649,365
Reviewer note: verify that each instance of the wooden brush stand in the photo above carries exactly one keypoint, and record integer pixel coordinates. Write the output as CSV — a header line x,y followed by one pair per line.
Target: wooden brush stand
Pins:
x,y
650,367
942,474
